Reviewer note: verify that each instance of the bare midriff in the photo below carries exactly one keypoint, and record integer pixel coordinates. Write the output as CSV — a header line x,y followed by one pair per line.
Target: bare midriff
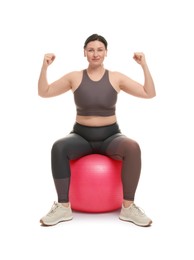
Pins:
x,y
96,120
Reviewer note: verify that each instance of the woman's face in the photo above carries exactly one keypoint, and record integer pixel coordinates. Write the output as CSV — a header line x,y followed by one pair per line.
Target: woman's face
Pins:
x,y
95,52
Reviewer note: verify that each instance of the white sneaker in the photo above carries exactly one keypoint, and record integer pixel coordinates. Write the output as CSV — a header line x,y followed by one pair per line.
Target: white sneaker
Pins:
x,y
135,215
57,213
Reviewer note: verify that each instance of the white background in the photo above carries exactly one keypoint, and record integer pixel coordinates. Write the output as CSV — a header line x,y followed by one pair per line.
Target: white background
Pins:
x,y
163,126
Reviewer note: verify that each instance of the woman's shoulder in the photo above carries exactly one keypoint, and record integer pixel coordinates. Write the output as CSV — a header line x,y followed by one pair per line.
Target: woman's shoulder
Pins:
x,y
75,77
115,78
116,75
76,73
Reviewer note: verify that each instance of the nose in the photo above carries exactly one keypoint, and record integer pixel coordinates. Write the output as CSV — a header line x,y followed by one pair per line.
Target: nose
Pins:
x,y
95,53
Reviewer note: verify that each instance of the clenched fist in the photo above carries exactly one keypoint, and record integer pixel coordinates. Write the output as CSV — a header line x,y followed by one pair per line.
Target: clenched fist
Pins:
x,y
48,59
139,57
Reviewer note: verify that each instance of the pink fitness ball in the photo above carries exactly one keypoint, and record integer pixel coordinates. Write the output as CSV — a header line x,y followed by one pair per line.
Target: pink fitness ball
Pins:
x,y
95,184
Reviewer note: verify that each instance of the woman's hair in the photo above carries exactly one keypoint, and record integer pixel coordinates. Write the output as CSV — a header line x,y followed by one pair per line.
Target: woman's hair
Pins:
x,y
96,37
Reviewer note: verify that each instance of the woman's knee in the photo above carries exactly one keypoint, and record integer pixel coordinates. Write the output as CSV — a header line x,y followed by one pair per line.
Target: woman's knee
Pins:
x,y
59,147
132,147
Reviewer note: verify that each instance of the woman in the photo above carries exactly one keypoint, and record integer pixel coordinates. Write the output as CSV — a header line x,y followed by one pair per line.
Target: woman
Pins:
x,y
96,130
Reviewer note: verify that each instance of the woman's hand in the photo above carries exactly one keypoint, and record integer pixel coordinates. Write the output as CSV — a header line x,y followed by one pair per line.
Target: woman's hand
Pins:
x,y
139,57
48,59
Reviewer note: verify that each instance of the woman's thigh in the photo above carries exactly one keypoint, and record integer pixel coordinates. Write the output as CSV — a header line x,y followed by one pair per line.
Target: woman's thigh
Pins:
x,y
72,146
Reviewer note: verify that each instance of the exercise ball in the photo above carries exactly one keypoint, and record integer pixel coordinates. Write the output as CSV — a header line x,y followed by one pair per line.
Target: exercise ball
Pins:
x,y
95,184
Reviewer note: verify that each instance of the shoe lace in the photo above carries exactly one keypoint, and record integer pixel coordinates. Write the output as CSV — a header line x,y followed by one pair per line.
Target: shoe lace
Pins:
x,y
53,208
138,210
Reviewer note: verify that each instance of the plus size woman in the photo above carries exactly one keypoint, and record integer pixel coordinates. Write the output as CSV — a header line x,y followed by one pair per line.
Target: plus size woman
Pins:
x,y
96,130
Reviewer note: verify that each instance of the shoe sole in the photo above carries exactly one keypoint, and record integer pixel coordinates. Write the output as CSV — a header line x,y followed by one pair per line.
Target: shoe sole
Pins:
x,y
53,224
127,220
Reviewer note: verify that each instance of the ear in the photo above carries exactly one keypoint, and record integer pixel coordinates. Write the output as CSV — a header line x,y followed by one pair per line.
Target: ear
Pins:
x,y
85,53
106,53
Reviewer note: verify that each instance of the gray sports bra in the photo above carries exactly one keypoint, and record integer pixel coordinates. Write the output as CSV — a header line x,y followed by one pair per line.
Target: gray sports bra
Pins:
x,y
95,98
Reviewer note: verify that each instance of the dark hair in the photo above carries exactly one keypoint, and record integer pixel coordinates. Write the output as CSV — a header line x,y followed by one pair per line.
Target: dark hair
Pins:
x,y
96,37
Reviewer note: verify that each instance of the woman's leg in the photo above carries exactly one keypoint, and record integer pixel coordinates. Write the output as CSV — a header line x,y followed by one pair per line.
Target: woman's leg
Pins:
x,y
69,148
120,147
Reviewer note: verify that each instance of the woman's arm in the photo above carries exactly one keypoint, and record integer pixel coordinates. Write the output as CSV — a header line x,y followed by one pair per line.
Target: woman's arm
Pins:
x,y
57,87
134,88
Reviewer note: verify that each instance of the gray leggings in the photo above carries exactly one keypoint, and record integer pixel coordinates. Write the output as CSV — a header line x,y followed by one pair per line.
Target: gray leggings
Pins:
x,y
106,140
